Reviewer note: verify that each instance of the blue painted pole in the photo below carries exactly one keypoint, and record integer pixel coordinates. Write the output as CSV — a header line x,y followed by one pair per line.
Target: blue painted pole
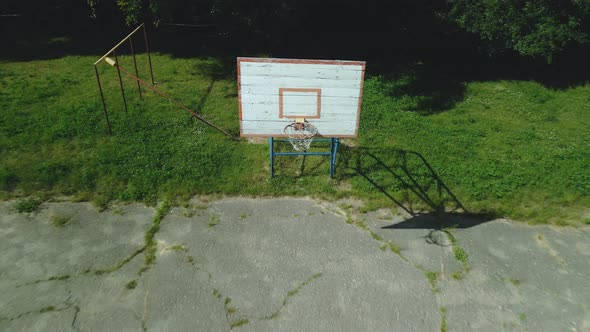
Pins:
x,y
336,144
332,153
272,167
332,157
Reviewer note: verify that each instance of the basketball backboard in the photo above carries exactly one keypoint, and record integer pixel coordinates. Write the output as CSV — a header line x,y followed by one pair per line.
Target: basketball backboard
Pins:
x,y
275,92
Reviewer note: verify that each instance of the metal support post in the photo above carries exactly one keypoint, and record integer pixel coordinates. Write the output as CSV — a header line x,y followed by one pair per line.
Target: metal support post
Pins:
x,y
135,64
147,49
104,105
334,142
120,81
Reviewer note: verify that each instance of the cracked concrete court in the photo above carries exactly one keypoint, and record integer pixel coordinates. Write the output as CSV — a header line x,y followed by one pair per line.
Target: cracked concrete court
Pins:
x,y
284,265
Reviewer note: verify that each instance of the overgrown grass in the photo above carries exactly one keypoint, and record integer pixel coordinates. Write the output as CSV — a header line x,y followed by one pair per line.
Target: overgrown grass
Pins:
x,y
28,205
150,236
514,148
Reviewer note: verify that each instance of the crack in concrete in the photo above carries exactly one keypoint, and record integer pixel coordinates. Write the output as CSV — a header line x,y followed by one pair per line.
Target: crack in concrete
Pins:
x,y
229,310
431,276
290,294
97,272
75,317
50,308
150,237
145,303
150,254
244,319
385,244
149,250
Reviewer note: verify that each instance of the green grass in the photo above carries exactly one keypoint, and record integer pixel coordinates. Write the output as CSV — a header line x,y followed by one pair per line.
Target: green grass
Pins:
x,y
458,275
150,236
239,323
432,278
443,320
460,255
510,148
131,285
58,220
28,205
213,220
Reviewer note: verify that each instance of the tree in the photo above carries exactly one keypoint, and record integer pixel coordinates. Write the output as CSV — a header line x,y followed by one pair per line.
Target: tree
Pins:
x,y
538,28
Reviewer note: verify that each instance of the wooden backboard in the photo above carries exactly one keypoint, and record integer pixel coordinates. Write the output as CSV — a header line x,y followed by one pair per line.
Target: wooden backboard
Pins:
x,y
274,92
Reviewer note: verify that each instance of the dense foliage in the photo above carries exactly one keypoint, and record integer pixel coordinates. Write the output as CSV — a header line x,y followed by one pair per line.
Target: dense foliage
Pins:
x,y
536,27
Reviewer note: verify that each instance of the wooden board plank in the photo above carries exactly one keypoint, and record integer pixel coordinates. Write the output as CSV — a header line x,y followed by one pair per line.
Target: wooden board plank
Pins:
x,y
299,82
270,127
274,91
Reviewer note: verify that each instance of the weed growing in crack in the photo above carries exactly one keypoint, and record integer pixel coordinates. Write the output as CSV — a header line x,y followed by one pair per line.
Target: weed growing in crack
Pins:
x,y
460,255
47,309
58,220
457,275
443,319
245,215
213,220
131,285
178,247
149,238
290,294
188,213
515,281
458,252
384,243
432,278
190,259
116,267
239,323
522,316
227,305
28,205
395,249
59,278
216,293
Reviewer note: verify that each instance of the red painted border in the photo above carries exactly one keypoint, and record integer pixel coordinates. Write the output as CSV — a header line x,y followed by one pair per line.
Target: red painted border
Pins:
x,y
318,102
301,61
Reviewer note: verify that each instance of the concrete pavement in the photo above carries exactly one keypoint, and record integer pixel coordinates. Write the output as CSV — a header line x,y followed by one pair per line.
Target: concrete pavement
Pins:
x,y
285,265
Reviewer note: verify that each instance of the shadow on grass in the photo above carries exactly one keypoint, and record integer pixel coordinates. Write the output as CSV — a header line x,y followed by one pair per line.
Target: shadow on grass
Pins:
x,y
409,181
440,72
427,89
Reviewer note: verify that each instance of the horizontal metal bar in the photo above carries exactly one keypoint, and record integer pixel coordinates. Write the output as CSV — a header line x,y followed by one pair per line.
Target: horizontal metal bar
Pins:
x,y
147,85
314,140
188,25
119,44
302,153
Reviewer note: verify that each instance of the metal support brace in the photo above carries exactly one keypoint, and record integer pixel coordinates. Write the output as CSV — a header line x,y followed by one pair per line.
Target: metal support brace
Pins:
x,y
334,142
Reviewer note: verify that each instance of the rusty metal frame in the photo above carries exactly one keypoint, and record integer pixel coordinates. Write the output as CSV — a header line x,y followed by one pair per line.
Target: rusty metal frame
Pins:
x,y
115,63
140,82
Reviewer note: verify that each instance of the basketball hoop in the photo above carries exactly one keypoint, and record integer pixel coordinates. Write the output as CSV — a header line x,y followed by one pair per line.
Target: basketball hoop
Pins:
x,y
300,134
